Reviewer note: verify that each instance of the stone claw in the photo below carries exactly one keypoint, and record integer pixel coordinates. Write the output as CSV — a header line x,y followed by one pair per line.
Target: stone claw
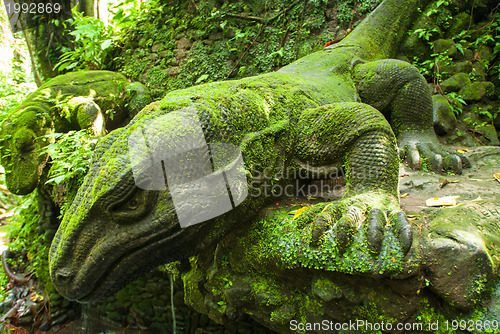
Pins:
x,y
434,156
403,231
375,230
346,223
376,223
453,163
343,226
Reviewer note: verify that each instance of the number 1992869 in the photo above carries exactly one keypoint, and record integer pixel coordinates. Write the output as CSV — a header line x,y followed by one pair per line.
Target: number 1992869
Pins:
x,y
33,8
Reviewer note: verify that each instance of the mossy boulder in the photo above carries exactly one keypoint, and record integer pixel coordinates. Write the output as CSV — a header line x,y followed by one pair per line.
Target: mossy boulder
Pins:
x,y
444,118
490,133
73,101
477,90
446,47
479,69
484,53
463,252
464,66
496,121
455,83
413,46
460,23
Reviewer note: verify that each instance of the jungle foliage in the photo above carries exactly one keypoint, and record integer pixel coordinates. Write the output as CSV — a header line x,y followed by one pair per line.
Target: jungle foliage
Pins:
x,y
176,44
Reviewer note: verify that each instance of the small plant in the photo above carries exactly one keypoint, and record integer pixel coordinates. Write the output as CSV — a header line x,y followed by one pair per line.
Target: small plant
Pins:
x,y
24,238
127,13
70,155
433,68
425,34
367,6
490,115
456,102
495,26
426,165
346,13
14,87
92,41
474,124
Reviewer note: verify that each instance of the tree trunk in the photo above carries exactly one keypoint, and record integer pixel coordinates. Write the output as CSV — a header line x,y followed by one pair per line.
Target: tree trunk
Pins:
x,y
86,7
45,36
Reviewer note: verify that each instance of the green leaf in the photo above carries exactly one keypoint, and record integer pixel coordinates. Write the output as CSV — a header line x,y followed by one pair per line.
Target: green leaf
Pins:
x,y
496,49
57,179
106,44
202,78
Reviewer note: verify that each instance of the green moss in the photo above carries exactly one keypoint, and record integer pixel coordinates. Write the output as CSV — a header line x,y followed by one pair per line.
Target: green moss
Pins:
x,y
429,315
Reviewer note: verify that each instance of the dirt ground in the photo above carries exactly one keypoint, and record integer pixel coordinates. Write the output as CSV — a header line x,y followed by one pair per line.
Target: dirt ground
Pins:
x,y
476,186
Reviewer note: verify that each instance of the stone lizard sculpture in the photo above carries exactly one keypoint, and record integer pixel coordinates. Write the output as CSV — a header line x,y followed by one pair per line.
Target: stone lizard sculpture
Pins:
x,y
68,102
323,111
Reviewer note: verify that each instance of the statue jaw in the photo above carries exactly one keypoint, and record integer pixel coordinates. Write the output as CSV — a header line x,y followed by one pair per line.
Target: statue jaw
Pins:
x,y
120,249
93,282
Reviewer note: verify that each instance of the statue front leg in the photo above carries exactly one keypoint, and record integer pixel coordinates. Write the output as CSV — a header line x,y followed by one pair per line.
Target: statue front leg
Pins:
x,y
398,90
367,221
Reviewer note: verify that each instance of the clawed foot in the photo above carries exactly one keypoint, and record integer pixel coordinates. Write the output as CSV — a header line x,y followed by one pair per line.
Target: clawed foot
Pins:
x,y
425,151
362,233
342,221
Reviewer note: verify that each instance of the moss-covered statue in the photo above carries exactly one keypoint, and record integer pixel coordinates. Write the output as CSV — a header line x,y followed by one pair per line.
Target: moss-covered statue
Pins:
x,y
169,186
68,102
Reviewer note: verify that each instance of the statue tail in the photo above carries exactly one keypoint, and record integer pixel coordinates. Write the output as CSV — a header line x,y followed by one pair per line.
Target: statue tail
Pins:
x,y
379,35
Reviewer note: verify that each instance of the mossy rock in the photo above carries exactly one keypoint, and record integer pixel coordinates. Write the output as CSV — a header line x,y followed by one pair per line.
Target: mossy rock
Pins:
x,y
464,66
477,90
460,23
413,46
444,118
479,69
496,121
484,53
455,83
490,133
464,237
447,47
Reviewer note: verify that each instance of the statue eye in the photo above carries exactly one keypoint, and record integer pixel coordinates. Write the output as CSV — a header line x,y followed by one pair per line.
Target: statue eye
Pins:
x,y
133,204
134,200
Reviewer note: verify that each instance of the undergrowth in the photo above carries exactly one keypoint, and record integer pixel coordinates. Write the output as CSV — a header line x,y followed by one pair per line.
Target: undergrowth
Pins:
x,y
475,38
